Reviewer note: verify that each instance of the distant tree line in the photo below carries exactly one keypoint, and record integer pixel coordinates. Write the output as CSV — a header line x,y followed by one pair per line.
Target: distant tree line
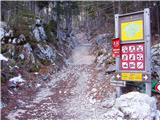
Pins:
x,y
86,15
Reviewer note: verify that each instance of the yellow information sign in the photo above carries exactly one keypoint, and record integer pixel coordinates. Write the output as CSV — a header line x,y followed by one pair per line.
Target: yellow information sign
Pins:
x,y
132,30
131,76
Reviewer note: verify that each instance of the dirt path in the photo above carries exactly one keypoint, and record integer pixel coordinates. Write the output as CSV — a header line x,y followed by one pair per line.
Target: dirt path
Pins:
x,y
70,93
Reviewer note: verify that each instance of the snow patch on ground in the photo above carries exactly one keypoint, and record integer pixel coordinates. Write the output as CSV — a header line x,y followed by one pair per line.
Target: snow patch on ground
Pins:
x,y
3,58
17,79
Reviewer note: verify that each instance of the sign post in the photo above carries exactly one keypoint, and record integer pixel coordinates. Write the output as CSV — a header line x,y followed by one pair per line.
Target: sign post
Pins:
x,y
116,47
134,61
118,88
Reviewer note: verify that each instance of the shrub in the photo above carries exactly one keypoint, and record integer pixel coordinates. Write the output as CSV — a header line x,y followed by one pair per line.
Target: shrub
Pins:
x,y
22,22
45,62
34,68
51,31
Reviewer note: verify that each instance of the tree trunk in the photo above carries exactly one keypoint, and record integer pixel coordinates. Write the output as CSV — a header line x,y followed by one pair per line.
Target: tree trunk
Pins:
x,y
58,19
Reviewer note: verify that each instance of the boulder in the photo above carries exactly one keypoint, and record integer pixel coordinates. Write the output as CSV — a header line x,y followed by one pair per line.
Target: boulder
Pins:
x,y
27,53
133,106
45,52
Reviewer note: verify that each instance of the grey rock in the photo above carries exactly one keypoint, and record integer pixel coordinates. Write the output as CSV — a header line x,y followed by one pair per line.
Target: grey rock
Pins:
x,y
20,103
45,77
21,56
45,52
38,21
108,103
21,38
29,85
27,47
155,52
2,105
3,25
100,39
2,33
28,52
39,33
135,106
111,68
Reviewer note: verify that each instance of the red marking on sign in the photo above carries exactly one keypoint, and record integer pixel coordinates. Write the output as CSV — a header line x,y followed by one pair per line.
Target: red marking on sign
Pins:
x,y
132,57
116,47
157,87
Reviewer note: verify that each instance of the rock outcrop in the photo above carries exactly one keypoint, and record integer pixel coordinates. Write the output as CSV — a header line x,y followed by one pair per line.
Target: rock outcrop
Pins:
x,y
39,32
156,61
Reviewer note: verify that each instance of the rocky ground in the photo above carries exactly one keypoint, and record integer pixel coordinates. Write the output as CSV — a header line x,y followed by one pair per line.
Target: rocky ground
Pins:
x,y
71,93
79,91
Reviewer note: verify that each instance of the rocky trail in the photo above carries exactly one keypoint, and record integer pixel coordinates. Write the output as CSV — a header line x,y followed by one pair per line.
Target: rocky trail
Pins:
x,y
70,94
57,60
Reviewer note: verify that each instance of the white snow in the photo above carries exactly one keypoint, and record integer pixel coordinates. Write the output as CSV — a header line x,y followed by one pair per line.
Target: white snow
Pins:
x,y
38,21
14,41
16,66
38,85
22,56
3,58
2,33
94,90
17,79
36,73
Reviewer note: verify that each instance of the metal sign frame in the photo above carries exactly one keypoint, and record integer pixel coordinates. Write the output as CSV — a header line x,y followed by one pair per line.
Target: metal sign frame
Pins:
x,y
147,45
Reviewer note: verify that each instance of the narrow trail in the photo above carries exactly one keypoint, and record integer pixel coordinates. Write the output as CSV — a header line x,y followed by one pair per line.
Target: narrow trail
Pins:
x,y
66,96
